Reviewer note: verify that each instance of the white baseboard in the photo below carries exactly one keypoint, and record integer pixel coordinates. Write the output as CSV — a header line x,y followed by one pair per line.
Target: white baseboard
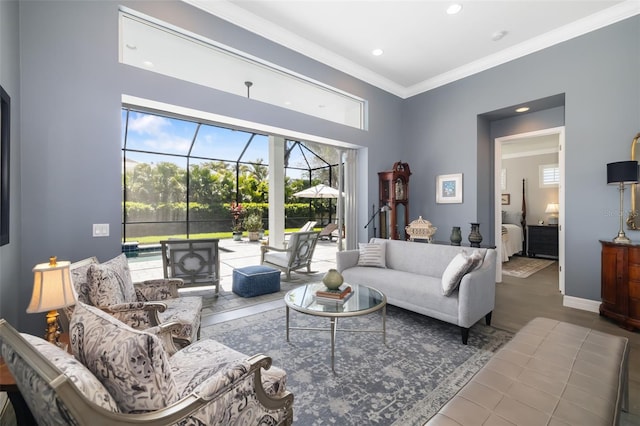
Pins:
x,y
579,303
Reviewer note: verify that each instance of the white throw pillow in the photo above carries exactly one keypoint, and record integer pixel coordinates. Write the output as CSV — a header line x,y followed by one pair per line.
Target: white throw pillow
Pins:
x,y
476,260
372,255
456,269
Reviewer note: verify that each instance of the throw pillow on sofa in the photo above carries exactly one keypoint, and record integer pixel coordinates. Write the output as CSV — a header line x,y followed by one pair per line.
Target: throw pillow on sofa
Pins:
x,y
476,260
110,282
456,269
372,254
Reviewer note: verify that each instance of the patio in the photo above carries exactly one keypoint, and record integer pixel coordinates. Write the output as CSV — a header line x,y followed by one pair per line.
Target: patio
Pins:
x,y
236,254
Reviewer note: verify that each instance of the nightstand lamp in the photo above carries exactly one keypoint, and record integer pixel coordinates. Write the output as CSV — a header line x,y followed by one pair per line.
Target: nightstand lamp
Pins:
x,y
52,290
552,210
621,173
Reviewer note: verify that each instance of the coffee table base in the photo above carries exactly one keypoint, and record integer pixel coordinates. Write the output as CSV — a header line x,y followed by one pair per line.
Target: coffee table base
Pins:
x,y
334,329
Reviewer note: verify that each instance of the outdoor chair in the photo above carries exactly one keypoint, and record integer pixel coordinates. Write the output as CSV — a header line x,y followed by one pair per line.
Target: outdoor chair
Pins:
x,y
328,232
297,255
196,262
118,375
150,303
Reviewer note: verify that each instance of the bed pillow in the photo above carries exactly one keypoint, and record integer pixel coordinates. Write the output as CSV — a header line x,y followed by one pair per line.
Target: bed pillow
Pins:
x,y
456,269
372,254
512,217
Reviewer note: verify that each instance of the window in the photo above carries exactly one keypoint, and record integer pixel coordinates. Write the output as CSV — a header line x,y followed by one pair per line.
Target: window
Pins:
x,y
549,175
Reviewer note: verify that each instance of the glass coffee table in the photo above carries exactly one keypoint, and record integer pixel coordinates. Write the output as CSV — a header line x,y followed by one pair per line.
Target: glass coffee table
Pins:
x,y
362,301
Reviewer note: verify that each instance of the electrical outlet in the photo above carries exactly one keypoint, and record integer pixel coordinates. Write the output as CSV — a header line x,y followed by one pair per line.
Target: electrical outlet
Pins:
x,y
100,229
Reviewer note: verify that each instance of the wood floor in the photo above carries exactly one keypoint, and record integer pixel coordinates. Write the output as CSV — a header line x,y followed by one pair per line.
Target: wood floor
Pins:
x,y
518,300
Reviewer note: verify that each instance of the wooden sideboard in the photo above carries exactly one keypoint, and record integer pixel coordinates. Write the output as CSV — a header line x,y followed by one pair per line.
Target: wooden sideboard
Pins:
x,y
620,283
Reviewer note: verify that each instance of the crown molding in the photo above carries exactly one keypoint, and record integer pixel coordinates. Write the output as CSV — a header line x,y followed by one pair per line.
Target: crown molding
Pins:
x,y
257,25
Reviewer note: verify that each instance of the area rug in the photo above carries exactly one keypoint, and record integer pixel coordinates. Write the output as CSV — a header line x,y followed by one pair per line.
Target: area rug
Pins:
x,y
524,267
404,382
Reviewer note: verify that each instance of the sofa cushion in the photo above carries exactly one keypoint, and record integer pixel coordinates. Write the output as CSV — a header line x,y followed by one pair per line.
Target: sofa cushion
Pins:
x,y
372,254
456,269
131,364
110,282
476,260
81,377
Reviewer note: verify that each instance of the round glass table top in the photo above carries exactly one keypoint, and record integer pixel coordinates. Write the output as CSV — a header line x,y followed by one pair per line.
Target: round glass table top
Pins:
x,y
362,300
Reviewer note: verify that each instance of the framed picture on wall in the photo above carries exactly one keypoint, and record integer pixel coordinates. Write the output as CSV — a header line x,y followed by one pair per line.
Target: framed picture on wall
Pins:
x,y
506,199
449,189
5,122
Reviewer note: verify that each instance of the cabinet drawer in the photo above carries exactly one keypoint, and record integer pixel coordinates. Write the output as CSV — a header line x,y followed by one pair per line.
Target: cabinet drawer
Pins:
x,y
634,256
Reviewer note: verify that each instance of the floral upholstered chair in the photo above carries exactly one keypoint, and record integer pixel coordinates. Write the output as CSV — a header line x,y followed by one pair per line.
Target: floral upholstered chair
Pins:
x,y
141,305
124,376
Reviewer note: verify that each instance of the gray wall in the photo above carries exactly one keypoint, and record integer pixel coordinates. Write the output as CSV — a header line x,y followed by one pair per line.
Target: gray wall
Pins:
x,y
70,89
11,283
598,73
72,85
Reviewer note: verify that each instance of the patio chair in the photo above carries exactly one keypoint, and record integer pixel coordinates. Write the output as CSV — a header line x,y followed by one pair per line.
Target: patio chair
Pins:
x,y
150,303
328,232
196,262
297,255
122,376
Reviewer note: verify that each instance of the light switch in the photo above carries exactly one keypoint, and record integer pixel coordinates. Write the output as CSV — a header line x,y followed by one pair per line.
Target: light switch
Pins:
x,y
100,229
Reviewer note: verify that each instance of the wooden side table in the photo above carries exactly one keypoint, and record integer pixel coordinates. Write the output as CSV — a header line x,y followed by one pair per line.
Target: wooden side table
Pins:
x,y
8,385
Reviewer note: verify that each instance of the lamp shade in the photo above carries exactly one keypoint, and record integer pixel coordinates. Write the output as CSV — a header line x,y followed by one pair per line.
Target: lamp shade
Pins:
x,y
622,172
52,288
552,208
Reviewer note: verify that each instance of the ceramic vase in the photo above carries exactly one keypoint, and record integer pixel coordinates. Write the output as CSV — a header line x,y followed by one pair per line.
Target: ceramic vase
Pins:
x,y
474,237
332,279
456,236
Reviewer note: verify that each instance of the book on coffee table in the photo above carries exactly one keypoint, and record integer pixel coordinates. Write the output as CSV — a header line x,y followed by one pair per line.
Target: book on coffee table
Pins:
x,y
329,300
339,293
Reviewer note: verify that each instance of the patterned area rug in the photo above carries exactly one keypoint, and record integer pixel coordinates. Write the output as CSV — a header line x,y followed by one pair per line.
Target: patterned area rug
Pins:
x,y
404,382
524,267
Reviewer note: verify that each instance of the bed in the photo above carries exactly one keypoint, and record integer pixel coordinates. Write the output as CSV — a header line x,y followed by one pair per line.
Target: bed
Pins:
x,y
513,225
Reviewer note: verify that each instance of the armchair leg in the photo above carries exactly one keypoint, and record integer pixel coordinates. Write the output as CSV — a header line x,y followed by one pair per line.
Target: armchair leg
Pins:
x,y
465,335
487,318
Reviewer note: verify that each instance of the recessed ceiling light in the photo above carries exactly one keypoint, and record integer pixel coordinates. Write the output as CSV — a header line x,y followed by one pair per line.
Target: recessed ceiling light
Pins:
x,y
148,64
498,35
522,109
377,52
454,8
131,46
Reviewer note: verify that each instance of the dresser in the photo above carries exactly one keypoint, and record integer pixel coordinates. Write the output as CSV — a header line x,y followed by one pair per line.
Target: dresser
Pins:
x,y
542,240
620,283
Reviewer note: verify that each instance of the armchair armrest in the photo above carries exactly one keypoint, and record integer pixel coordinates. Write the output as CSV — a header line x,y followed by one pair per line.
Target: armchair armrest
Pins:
x,y
243,377
159,289
138,315
347,259
164,332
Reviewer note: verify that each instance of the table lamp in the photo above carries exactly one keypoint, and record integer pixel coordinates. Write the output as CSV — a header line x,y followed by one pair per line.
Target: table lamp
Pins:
x,y
552,209
621,173
52,290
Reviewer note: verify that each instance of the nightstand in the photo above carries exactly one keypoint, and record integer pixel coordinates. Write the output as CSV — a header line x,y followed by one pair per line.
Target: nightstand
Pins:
x,y
542,240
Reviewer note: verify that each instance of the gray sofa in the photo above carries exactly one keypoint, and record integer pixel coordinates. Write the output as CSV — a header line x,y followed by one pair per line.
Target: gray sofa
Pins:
x,y
412,280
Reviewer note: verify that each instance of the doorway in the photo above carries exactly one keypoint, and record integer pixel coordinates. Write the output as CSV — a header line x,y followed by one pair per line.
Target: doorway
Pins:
x,y
537,150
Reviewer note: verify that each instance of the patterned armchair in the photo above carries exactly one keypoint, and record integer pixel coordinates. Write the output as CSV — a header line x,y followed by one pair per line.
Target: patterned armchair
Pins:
x,y
123,376
297,255
142,305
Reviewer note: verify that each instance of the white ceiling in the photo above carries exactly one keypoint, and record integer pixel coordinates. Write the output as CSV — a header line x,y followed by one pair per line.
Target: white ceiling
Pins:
x,y
423,46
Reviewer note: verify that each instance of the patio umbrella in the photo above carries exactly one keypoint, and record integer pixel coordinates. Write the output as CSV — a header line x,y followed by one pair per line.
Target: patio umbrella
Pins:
x,y
318,191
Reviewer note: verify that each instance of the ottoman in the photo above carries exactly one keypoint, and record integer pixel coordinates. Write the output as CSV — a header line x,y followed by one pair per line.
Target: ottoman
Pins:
x,y
253,281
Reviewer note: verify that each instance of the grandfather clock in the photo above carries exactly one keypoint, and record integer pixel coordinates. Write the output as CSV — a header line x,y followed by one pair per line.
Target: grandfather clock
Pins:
x,y
394,192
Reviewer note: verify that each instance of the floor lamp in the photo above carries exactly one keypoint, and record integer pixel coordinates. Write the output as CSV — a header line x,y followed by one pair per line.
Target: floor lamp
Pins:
x,y
622,173
384,208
